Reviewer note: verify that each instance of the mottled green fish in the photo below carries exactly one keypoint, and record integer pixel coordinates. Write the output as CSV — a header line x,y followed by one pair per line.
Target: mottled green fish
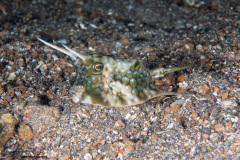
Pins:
x,y
113,82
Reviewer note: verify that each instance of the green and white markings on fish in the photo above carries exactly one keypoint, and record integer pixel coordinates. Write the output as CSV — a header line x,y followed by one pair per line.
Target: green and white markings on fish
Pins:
x,y
113,82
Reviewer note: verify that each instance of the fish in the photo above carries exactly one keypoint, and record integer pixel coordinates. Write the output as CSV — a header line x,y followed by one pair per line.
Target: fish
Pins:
x,y
111,81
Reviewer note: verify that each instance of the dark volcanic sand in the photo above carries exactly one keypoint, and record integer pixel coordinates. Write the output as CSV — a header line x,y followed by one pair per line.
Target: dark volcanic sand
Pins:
x,y
38,118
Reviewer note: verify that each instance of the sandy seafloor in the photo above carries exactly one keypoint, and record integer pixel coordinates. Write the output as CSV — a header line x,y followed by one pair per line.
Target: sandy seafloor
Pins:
x,y
39,119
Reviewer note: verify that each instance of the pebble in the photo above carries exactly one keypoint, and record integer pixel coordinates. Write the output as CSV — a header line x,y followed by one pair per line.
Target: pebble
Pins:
x,y
235,119
206,136
206,115
144,133
148,49
204,89
12,76
181,90
179,102
94,154
121,151
228,125
229,103
180,119
7,124
199,47
171,126
216,89
214,137
25,132
194,115
119,123
103,115
183,85
67,156
124,41
93,26
88,156
219,127
70,69
118,45
181,78
189,47
129,148
158,82
224,95
174,108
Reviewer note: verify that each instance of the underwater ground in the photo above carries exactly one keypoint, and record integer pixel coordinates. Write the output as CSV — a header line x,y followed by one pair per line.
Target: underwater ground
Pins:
x,y
39,120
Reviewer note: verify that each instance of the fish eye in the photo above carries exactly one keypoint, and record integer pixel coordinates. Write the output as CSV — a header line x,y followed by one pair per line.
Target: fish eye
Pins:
x,y
97,68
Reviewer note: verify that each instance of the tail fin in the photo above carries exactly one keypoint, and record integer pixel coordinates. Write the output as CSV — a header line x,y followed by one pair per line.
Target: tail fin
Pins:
x,y
160,72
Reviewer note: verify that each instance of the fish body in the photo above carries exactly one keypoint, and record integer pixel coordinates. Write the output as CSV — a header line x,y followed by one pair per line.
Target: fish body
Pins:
x,y
110,81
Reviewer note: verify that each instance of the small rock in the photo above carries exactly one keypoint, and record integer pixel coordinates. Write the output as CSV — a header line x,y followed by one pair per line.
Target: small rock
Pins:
x,y
182,77
181,90
25,132
189,47
118,45
94,154
88,156
183,85
219,127
214,137
12,76
174,108
158,82
152,57
204,89
120,144
194,115
84,151
148,49
228,125
104,115
224,95
206,136
229,103
206,115
124,41
179,102
8,119
171,126
199,47
235,119
78,10
66,156
200,121
70,69
121,151
144,133
119,123
93,26
114,132
195,137
193,151
216,89
57,68
180,119
7,129
129,148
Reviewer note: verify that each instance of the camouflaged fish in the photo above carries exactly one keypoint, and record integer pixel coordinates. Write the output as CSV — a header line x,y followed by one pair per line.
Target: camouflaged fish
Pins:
x,y
113,82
